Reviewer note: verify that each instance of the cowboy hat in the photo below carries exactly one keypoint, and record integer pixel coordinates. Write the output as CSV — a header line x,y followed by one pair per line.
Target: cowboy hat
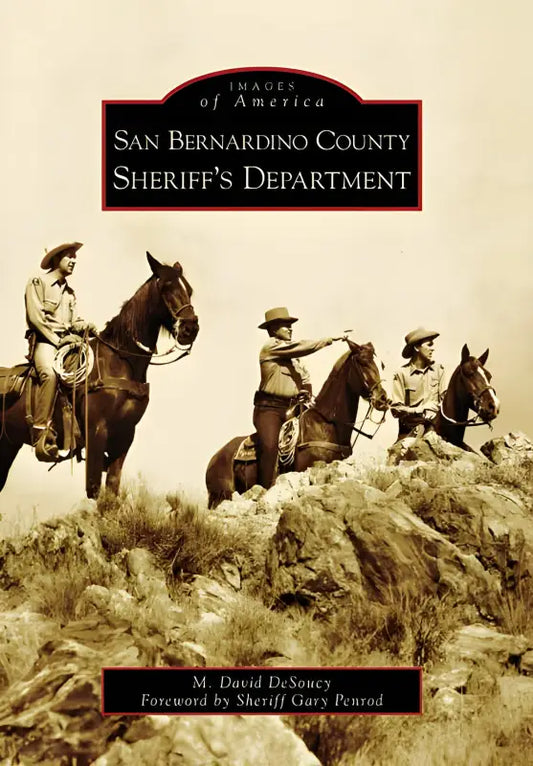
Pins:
x,y
66,247
279,314
417,336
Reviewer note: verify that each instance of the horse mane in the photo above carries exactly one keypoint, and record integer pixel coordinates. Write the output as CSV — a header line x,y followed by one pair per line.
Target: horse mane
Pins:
x,y
135,316
327,399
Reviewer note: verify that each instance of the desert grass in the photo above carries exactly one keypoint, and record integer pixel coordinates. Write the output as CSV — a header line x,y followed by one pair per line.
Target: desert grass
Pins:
x,y
56,593
250,634
494,735
180,533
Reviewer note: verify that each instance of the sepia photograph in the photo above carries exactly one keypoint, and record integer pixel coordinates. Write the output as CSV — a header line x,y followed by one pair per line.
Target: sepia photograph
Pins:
x,y
280,435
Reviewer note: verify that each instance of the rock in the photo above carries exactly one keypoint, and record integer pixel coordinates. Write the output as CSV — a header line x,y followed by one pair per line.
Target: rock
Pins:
x,y
254,493
489,522
285,489
526,664
54,715
73,538
447,704
232,574
478,643
513,448
450,678
210,596
22,632
224,740
351,540
430,448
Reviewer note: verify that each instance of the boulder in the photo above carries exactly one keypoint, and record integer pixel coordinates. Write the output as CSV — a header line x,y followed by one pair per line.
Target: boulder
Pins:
x,y
512,449
74,538
53,716
351,540
479,644
490,522
430,448
224,740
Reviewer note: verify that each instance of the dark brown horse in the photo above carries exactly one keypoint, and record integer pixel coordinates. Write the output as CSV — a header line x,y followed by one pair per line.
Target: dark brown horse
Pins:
x,y
118,391
325,428
469,389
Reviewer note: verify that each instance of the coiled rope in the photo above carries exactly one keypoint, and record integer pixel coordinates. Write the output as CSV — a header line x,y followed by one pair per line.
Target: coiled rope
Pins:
x,y
288,438
73,362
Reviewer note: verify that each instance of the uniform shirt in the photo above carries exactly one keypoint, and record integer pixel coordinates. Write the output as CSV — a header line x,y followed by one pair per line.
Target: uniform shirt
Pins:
x,y
50,306
282,374
413,387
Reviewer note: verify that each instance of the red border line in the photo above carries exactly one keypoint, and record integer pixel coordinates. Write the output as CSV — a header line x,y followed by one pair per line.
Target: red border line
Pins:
x,y
263,668
286,70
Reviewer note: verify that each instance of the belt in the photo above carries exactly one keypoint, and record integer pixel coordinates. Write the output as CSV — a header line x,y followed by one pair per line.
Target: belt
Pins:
x,y
264,399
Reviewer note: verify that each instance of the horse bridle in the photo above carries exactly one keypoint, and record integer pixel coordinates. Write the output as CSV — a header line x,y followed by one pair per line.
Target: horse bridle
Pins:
x,y
476,400
176,319
368,396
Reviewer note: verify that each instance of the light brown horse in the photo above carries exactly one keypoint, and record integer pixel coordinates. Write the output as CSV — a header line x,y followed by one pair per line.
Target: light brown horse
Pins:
x,y
118,391
325,428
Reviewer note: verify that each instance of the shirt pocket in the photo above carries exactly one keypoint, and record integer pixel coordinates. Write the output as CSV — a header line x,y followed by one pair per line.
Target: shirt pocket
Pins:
x,y
411,395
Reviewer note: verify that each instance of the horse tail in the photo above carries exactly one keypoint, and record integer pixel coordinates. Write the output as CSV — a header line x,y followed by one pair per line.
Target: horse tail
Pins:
x,y
219,476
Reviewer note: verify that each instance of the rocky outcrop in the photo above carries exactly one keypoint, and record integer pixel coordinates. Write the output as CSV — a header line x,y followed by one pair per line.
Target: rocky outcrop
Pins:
x,y
351,540
490,522
226,741
436,521
513,449
430,448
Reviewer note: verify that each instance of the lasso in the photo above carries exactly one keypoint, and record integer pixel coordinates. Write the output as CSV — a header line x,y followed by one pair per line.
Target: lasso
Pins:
x,y
288,438
75,370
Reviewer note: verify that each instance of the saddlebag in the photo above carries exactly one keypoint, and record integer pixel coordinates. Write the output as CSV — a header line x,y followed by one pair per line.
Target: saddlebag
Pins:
x,y
13,380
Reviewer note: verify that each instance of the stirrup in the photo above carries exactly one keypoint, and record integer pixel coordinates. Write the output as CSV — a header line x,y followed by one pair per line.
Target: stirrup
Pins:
x,y
46,449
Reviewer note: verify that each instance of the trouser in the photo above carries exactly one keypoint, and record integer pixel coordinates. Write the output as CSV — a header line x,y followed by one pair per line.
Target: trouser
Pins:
x,y
408,422
45,395
269,416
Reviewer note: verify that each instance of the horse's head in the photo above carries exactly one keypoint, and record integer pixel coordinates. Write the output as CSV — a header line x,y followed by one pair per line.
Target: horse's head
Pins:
x,y
364,375
179,317
481,394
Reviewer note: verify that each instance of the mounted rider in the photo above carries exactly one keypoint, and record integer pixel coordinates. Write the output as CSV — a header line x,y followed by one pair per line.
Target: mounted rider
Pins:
x,y
51,317
419,386
284,382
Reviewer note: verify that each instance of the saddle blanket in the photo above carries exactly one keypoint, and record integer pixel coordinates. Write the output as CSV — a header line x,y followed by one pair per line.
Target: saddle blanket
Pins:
x,y
246,452
288,436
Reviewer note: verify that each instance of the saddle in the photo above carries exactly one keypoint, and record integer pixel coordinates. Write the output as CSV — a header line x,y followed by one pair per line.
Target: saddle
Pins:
x,y
21,379
13,381
287,441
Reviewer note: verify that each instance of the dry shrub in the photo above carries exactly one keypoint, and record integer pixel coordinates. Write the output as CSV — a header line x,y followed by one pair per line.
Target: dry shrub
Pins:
x,y
410,627
330,737
181,534
249,635
56,593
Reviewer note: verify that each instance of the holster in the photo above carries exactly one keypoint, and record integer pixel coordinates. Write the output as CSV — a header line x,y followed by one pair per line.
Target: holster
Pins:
x,y
31,336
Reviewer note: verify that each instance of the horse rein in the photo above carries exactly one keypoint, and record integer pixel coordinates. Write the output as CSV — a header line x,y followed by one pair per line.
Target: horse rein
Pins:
x,y
368,415
148,351
470,422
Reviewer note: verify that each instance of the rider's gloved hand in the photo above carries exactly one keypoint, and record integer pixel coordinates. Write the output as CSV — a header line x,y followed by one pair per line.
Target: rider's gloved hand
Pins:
x,y
69,338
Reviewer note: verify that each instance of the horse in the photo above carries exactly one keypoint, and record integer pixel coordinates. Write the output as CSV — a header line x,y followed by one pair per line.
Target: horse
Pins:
x,y
469,388
325,428
117,391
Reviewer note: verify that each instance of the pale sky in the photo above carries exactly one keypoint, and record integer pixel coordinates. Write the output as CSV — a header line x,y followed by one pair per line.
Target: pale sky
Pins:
x,y
461,266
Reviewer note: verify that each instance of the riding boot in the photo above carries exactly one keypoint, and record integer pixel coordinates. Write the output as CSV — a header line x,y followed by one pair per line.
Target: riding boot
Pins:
x,y
45,444
44,435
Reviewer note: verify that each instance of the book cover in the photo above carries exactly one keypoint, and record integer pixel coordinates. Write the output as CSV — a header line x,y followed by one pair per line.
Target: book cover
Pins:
x,y
459,264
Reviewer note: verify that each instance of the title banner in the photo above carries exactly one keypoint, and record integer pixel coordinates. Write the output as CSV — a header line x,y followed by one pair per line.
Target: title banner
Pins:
x,y
258,139
277,691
